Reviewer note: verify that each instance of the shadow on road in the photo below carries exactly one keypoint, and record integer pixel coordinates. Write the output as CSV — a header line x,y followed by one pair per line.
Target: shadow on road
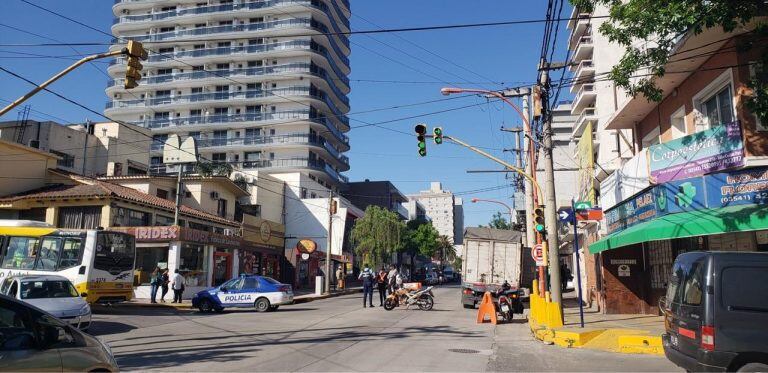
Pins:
x,y
163,351
109,327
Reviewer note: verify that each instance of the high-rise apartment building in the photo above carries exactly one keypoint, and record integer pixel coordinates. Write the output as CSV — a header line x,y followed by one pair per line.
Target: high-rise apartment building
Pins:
x,y
261,85
444,210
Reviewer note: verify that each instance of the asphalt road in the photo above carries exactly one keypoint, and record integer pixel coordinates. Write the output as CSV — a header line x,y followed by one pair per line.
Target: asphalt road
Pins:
x,y
338,334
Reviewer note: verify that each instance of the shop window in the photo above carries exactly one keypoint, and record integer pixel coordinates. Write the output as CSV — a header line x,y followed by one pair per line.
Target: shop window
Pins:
x,y
193,265
161,220
123,217
82,217
249,262
20,253
147,260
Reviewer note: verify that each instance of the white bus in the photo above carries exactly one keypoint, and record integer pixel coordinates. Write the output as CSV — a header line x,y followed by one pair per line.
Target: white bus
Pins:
x,y
99,263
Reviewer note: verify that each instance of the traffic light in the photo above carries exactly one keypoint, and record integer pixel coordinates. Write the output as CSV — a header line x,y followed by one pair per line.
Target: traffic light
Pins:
x,y
538,220
135,51
438,132
421,131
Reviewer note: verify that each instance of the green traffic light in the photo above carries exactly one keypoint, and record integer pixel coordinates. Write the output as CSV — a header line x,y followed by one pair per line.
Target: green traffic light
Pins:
x,y
423,152
539,228
438,140
422,145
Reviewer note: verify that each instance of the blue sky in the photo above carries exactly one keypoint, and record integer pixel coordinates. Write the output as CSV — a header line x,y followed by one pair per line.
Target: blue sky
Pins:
x,y
479,56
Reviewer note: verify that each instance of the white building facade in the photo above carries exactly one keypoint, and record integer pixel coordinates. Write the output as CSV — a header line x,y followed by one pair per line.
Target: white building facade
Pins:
x,y
255,82
444,210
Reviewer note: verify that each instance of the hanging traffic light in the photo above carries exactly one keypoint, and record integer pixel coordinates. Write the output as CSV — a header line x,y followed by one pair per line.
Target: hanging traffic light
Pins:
x,y
135,51
538,220
438,132
421,131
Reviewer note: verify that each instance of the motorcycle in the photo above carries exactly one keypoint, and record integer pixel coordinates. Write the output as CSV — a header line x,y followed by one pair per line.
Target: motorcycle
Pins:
x,y
423,298
507,302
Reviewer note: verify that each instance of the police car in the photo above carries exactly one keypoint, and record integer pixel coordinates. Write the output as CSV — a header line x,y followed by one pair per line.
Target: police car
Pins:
x,y
260,292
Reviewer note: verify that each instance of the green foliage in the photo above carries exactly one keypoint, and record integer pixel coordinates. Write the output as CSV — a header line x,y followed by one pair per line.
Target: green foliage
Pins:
x,y
664,23
377,234
498,221
213,169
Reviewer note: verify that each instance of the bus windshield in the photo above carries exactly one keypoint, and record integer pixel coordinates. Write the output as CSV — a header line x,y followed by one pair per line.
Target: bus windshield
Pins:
x,y
115,252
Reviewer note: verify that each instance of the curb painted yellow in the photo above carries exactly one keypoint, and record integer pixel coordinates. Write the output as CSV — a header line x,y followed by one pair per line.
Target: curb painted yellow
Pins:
x,y
572,338
641,344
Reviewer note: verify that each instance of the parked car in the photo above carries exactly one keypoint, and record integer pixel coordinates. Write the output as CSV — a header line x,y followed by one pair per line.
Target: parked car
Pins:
x,y
716,312
431,279
449,275
35,340
53,294
261,292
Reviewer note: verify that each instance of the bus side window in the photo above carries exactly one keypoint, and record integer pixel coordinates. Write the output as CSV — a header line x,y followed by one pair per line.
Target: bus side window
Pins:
x,y
48,257
70,253
21,253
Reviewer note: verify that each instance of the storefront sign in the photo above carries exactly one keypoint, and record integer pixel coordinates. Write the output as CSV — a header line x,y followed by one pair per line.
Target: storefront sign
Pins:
x,y
306,246
636,210
715,149
175,233
682,195
743,187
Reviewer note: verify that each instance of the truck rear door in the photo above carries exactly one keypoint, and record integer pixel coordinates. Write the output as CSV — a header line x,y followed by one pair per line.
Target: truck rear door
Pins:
x,y
685,300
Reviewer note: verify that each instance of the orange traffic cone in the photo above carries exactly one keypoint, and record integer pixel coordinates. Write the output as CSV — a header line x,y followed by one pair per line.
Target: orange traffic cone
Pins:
x,y
487,308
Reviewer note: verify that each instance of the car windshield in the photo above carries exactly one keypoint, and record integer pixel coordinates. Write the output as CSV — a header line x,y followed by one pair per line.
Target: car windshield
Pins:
x,y
271,280
47,289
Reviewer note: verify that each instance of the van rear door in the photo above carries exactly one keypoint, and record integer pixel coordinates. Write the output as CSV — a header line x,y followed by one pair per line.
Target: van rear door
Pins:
x,y
741,311
685,303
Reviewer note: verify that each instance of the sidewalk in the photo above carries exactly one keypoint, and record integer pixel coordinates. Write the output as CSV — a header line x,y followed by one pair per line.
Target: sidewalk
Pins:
x,y
632,334
299,297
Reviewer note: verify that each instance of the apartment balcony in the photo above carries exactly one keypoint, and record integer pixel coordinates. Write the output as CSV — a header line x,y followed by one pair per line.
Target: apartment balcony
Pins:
x,y
228,54
177,80
274,165
580,25
584,48
231,121
250,96
275,28
585,73
585,97
587,115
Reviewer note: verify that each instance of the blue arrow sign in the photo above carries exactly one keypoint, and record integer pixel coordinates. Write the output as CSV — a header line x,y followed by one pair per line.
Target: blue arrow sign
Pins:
x,y
565,214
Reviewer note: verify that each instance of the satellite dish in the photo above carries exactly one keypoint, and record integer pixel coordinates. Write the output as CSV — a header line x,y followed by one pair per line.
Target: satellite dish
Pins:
x,y
175,151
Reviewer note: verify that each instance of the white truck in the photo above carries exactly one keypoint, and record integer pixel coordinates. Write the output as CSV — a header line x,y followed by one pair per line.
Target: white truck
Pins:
x,y
491,257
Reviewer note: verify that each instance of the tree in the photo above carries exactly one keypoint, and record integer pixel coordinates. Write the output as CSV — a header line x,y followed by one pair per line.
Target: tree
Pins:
x,y
664,23
498,221
446,250
421,238
213,169
377,234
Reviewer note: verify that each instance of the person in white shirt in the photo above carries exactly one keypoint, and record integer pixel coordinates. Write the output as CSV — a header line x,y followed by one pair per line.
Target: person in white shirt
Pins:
x,y
178,286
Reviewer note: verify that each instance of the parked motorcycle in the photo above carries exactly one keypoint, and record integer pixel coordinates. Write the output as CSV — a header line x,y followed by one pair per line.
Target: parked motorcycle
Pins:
x,y
507,302
423,298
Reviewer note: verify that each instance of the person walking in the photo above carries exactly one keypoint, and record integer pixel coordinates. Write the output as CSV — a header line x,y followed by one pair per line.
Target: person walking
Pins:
x,y
391,278
154,284
381,284
339,278
164,282
368,278
178,286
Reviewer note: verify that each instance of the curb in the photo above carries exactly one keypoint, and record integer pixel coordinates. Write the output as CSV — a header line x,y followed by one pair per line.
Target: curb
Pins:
x,y
188,306
625,341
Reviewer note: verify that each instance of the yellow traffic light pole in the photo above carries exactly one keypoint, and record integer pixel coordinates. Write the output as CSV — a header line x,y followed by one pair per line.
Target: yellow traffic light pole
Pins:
x,y
66,71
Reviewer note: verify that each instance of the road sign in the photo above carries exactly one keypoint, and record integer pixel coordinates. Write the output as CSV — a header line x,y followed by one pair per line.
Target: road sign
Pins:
x,y
537,253
592,214
582,205
565,214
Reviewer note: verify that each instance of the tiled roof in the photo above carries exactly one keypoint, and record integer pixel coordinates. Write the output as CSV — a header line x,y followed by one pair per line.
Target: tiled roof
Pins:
x,y
98,188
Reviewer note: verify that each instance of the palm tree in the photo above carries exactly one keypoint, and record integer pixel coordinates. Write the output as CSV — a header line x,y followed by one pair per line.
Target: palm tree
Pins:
x,y
446,250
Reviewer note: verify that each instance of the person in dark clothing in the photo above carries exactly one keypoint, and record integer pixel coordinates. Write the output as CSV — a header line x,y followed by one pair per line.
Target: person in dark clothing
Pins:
x,y
381,283
369,278
164,282
565,275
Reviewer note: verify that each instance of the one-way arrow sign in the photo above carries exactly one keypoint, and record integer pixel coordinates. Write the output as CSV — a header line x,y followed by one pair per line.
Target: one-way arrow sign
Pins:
x,y
565,214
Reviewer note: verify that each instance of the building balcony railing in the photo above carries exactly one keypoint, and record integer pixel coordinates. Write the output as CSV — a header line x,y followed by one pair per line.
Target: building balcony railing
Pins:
x,y
259,164
246,50
222,119
222,8
298,67
585,95
243,27
587,115
584,73
291,139
584,48
226,95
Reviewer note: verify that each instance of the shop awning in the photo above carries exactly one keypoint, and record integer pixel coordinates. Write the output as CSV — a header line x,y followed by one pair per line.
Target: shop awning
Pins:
x,y
688,224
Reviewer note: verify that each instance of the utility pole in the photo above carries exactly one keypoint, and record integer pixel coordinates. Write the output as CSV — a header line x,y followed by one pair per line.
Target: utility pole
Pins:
x,y
331,211
530,234
550,200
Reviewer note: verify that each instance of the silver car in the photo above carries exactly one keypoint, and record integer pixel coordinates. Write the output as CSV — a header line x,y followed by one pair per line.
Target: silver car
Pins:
x,y
51,293
33,340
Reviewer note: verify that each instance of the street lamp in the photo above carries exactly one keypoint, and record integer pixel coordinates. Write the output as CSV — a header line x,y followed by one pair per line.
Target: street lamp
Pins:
x,y
476,200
